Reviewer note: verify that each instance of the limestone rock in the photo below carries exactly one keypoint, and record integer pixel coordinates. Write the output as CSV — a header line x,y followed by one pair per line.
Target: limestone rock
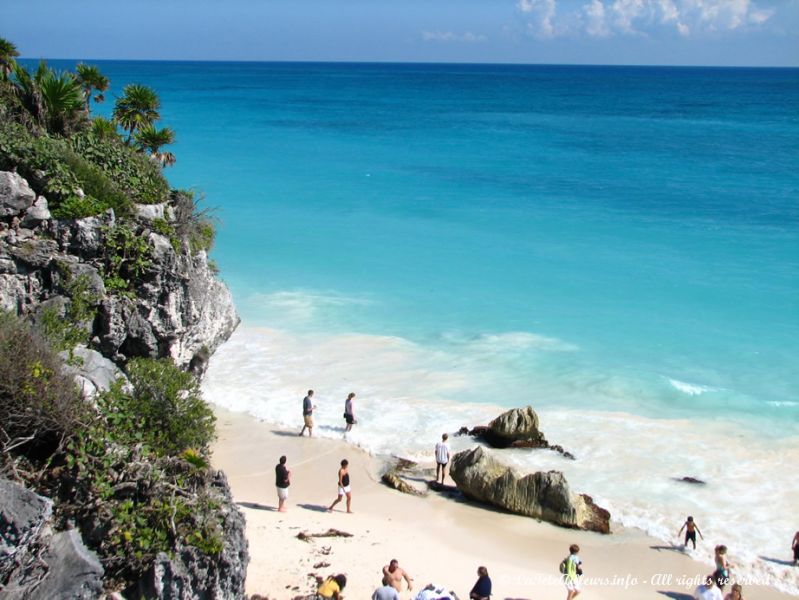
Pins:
x,y
23,515
36,213
95,373
542,495
16,196
36,253
151,212
191,575
73,572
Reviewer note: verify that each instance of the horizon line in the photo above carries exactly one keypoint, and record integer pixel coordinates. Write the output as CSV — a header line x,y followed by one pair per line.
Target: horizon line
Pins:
x,y
398,62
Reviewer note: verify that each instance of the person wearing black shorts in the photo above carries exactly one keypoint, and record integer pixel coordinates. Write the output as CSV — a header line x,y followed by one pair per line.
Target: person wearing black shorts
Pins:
x,y
691,530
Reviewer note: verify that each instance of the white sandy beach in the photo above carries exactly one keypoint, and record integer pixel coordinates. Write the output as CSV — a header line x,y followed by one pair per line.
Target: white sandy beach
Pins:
x,y
436,539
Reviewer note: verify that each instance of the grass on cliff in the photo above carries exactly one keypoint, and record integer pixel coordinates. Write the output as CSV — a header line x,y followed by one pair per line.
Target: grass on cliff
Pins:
x,y
129,469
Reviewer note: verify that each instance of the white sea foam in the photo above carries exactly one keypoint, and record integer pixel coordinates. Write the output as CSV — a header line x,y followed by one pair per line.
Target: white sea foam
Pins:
x,y
408,394
692,389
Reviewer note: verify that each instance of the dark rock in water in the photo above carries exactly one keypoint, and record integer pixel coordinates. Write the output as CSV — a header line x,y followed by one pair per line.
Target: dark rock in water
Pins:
x,y
562,451
542,495
519,425
692,480
192,575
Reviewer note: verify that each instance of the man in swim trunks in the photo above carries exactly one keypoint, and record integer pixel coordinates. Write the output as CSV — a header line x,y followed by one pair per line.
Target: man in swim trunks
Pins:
x,y
343,486
691,530
442,457
307,413
393,574
349,412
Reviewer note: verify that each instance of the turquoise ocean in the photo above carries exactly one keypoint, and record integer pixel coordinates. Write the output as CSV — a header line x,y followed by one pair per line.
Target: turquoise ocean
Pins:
x,y
616,246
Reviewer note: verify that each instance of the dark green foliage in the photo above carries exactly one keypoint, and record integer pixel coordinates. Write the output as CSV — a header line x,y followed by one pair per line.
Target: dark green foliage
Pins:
x,y
127,257
95,183
194,221
66,331
136,174
39,405
165,410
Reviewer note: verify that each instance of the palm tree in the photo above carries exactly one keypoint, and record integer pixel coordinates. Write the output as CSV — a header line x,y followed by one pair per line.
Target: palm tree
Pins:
x,y
151,139
136,109
54,100
90,78
8,52
103,128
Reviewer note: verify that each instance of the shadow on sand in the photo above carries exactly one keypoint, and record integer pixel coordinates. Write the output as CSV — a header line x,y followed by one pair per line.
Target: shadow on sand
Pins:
x,y
670,548
256,506
314,507
779,561
676,595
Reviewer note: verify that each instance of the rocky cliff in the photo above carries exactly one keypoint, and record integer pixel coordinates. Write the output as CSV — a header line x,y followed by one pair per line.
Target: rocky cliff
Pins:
x,y
118,288
175,307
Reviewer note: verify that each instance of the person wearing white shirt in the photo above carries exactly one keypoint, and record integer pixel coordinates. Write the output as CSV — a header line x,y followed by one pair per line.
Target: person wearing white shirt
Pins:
x,y
442,457
708,590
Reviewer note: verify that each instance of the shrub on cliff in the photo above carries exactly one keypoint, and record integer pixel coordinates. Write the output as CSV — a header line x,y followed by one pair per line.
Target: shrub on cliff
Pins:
x,y
40,406
194,221
164,410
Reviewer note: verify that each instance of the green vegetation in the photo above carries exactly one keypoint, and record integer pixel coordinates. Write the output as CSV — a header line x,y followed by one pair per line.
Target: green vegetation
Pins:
x,y
73,327
127,257
91,80
8,52
130,469
136,109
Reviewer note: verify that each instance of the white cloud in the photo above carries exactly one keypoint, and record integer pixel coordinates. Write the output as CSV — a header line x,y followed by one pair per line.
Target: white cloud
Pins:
x,y
542,13
449,36
603,18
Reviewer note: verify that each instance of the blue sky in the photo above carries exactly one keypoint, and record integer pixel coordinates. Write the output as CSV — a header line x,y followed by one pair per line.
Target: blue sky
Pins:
x,y
680,32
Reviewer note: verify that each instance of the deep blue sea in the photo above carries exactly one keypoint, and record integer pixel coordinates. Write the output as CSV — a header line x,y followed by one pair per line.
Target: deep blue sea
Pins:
x,y
617,246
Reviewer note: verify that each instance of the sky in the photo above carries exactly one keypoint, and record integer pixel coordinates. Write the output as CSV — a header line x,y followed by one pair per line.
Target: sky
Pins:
x,y
654,32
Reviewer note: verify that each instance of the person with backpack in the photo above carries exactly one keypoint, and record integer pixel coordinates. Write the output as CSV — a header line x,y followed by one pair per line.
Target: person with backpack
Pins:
x,y
571,569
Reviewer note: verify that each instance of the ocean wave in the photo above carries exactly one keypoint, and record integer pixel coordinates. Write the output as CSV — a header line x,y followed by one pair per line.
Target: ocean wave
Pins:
x,y
692,389
408,394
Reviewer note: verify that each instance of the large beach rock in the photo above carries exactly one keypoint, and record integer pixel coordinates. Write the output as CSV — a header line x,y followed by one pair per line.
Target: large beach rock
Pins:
x,y
517,428
542,495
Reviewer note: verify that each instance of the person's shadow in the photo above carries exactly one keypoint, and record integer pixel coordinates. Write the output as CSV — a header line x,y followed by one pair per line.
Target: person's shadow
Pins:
x,y
676,595
256,506
314,507
779,561
672,548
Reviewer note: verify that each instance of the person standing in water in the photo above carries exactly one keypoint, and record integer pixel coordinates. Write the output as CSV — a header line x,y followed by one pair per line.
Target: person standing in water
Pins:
x,y
691,529
307,413
349,411
343,486
442,457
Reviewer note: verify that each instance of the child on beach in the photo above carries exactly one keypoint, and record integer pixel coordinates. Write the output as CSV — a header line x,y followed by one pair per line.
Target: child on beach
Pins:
x,y
722,566
343,486
282,482
572,572
795,548
691,529
736,593
708,590
481,589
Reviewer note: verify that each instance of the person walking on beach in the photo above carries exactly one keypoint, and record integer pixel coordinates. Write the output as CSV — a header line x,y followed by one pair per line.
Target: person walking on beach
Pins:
x,y
708,590
393,574
691,529
343,486
307,413
282,482
349,412
481,589
572,569
442,457
795,548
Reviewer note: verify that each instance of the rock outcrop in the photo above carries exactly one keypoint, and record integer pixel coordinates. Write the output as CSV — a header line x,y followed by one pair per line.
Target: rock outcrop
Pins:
x,y
179,308
515,428
191,575
542,495
34,562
